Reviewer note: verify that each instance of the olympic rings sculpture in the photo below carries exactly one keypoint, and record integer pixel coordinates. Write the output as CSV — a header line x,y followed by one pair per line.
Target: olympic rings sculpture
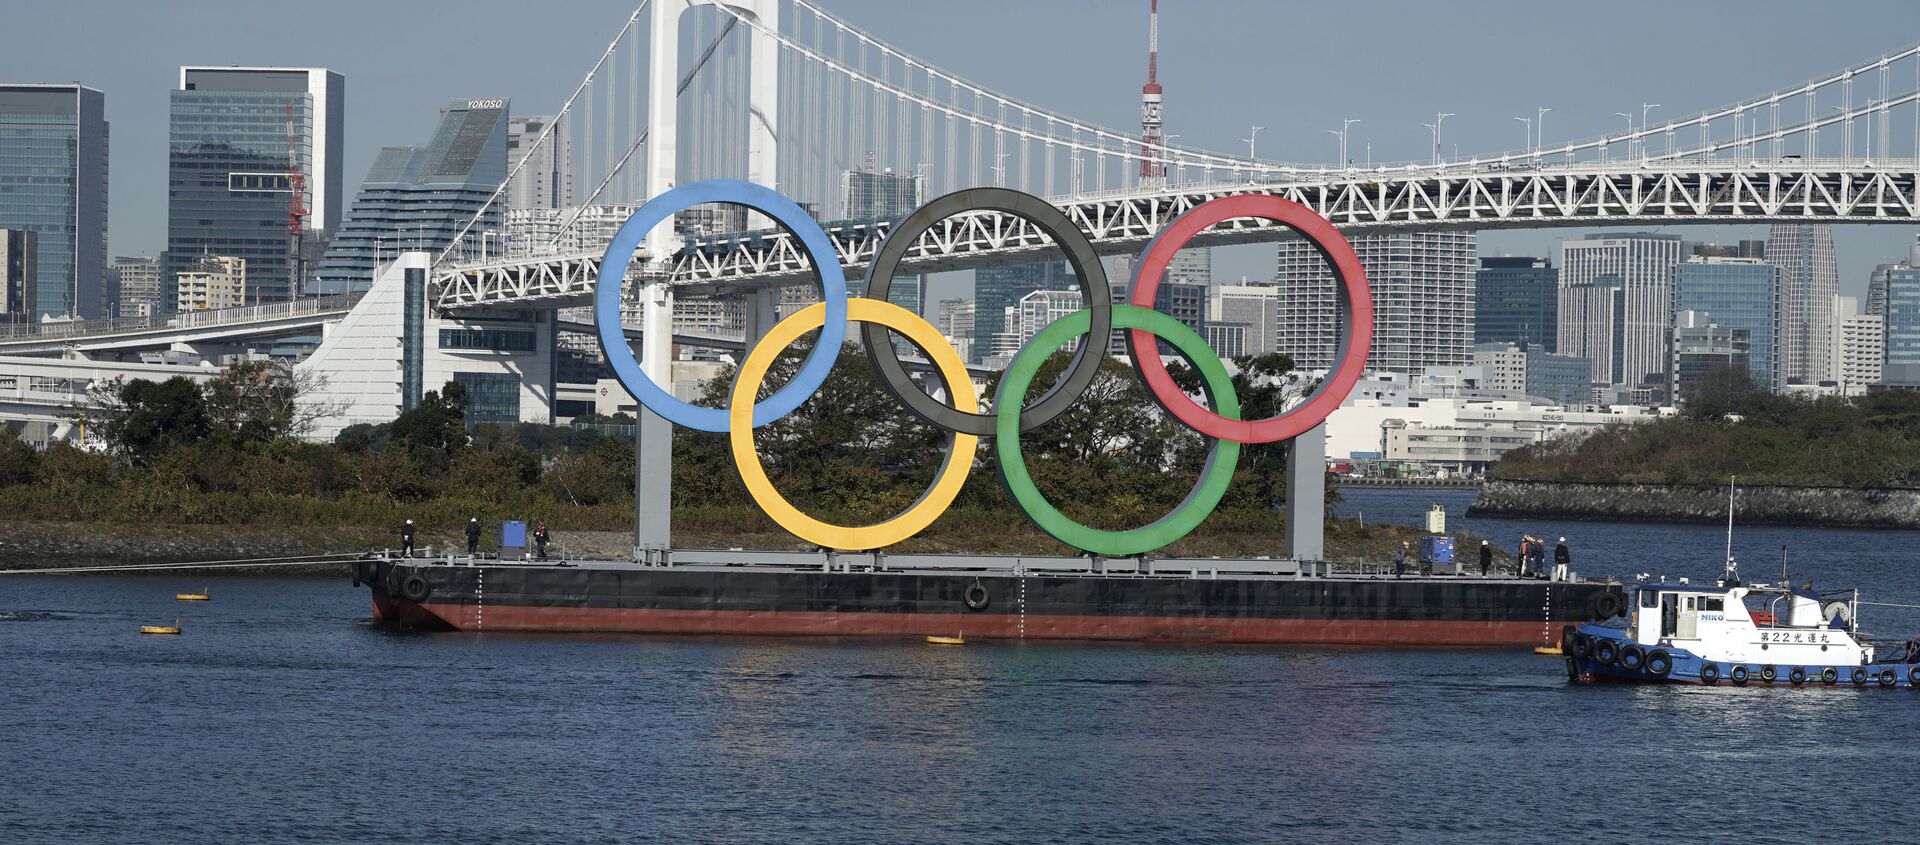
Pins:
x,y
960,415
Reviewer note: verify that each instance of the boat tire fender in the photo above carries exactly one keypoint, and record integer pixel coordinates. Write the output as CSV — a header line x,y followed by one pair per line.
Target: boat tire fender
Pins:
x,y
354,572
1567,640
1633,658
1768,673
1659,662
1573,669
1607,605
1913,677
415,588
1605,651
1797,676
1859,677
1709,673
1829,676
1738,675
1582,644
1888,677
976,596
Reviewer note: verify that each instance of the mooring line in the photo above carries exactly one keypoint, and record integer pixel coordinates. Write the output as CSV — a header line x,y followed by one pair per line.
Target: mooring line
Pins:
x,y
342,557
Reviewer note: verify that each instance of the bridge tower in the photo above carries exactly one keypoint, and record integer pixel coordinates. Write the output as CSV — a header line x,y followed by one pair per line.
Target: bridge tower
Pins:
x,y
653,449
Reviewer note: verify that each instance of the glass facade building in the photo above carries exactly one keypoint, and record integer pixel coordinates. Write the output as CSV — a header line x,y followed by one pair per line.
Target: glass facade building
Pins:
x,y
1516,300
419,198
229,187
1738,293
1903,328
995,289
885,197
53,182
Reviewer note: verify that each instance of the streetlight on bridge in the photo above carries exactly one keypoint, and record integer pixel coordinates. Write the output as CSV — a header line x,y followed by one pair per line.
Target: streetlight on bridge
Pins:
x,y
1250,139
1644,108
1528,122
1341,133
1439,120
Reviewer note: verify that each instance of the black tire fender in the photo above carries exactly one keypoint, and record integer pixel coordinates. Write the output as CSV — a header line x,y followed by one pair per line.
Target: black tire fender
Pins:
x,y
1709,673
415,588
1738,675
976,596
1607,605
1605,651
1797,676
1633,658
1659,662
1829,676
1913,677
1582,645
1859,677
1888,677
1768,673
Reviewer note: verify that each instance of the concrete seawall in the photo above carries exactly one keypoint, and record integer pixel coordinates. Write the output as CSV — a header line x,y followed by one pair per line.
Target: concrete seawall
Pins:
x,y
1831,507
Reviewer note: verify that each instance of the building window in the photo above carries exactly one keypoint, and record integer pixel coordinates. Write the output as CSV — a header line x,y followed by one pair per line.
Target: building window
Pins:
x,y
491,397
489,340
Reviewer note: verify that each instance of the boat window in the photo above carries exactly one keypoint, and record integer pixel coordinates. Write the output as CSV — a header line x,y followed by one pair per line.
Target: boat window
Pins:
x,y
1689,605
1670,615
1649,598
1712,604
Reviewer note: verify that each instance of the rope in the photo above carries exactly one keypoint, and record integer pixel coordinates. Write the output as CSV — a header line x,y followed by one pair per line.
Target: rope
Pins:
x,y
340,557
1891,604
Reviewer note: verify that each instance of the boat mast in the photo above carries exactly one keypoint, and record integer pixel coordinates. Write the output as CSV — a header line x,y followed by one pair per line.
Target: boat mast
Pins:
x,y
1733,569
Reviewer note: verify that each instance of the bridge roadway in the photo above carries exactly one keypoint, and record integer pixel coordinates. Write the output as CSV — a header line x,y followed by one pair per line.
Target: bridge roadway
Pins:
x,y
1496,195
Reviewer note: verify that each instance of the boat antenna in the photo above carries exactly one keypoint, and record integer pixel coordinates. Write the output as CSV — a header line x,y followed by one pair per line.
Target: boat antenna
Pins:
x,y
1731,577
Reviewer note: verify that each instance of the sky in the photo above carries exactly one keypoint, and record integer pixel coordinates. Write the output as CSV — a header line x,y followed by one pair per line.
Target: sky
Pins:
x,y
1295,68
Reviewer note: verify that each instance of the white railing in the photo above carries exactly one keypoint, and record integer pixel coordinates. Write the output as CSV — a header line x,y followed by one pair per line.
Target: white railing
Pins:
x,y
184,320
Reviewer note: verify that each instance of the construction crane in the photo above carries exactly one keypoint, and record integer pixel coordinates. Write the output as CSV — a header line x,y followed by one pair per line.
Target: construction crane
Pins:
x,y
296,211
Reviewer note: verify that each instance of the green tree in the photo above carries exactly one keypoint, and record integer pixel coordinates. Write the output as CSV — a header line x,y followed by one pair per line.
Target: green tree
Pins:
x,y
434,432
139,419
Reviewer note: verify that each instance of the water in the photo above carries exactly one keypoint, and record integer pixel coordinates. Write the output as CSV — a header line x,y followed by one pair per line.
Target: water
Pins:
x,y
283,715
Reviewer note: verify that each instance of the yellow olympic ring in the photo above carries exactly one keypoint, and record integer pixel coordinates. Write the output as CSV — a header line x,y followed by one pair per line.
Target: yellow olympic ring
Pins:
x,y
946,484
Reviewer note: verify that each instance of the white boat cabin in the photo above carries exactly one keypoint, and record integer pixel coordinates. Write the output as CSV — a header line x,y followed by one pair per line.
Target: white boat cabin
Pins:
x,y
1783,626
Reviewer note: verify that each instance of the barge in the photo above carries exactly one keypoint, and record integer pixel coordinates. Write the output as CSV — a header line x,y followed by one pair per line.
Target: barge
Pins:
x,y
989,597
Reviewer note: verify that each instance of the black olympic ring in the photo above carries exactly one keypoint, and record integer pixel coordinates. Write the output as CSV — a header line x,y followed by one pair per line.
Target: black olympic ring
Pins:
x,y
1094,291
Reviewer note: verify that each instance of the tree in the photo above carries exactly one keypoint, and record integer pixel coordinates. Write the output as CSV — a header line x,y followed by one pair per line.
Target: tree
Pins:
x,y
1722,392
434,431
261,401
138,419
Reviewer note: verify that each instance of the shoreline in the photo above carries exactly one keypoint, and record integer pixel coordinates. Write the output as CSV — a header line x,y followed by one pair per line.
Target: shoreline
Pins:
x,y
1779,505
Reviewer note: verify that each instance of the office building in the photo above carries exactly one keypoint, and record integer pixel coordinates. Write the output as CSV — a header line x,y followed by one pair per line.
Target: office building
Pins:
x,y
1229,340
1516,300
1701,347
53,182
235,138
1902,363
1804,254
996,289
217,281
419,198
140,286
884,197
545,175
1528,370
1738,293
1036,311
1254,306
19,269
1183,301
1422,301
954,319
1743,249
1616,298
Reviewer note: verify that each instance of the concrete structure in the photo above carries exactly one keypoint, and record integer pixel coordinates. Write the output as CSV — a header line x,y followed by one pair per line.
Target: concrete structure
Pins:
x,y
1390,418
1859,350
1036,311
1739,293
1516,300
216,281
1229,340
141,286
529,231
39,396
1254,306
1616,296
53,162
19,271
1517,370
1804,254
995,289
955,322
545,177
419,198
1423,312
1701,347
386,353
229,170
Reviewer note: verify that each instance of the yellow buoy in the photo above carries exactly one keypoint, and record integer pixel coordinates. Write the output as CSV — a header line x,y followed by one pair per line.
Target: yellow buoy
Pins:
x,y
199,596
161,629
959,640
1547,649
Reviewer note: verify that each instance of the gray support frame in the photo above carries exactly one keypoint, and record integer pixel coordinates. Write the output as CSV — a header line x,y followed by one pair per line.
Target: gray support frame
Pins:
x,y
1307,495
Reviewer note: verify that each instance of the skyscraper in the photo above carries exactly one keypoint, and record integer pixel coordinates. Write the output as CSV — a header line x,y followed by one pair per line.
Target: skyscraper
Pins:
x,y
885,197
545,179
235,137
53,166
995,289
19,272
1623,333
1738,293
1903,328
1804,254
1516,300
1251,305
1422,301
420,197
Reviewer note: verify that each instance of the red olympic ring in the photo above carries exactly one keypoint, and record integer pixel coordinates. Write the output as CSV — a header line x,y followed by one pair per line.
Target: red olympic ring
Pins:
x,y
1348,275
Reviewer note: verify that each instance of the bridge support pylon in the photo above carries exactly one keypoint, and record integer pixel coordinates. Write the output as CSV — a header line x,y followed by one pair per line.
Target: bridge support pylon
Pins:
x,y
653,447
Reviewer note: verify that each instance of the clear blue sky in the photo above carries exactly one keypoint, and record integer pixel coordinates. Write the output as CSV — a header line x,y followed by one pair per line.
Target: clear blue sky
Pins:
x,y
1296,68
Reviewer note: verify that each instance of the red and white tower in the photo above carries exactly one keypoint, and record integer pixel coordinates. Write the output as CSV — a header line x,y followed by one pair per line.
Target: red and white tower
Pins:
x,y
1153,167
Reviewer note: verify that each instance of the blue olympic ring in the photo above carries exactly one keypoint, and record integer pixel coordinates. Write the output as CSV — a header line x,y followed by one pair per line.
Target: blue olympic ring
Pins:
x,y
813,239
